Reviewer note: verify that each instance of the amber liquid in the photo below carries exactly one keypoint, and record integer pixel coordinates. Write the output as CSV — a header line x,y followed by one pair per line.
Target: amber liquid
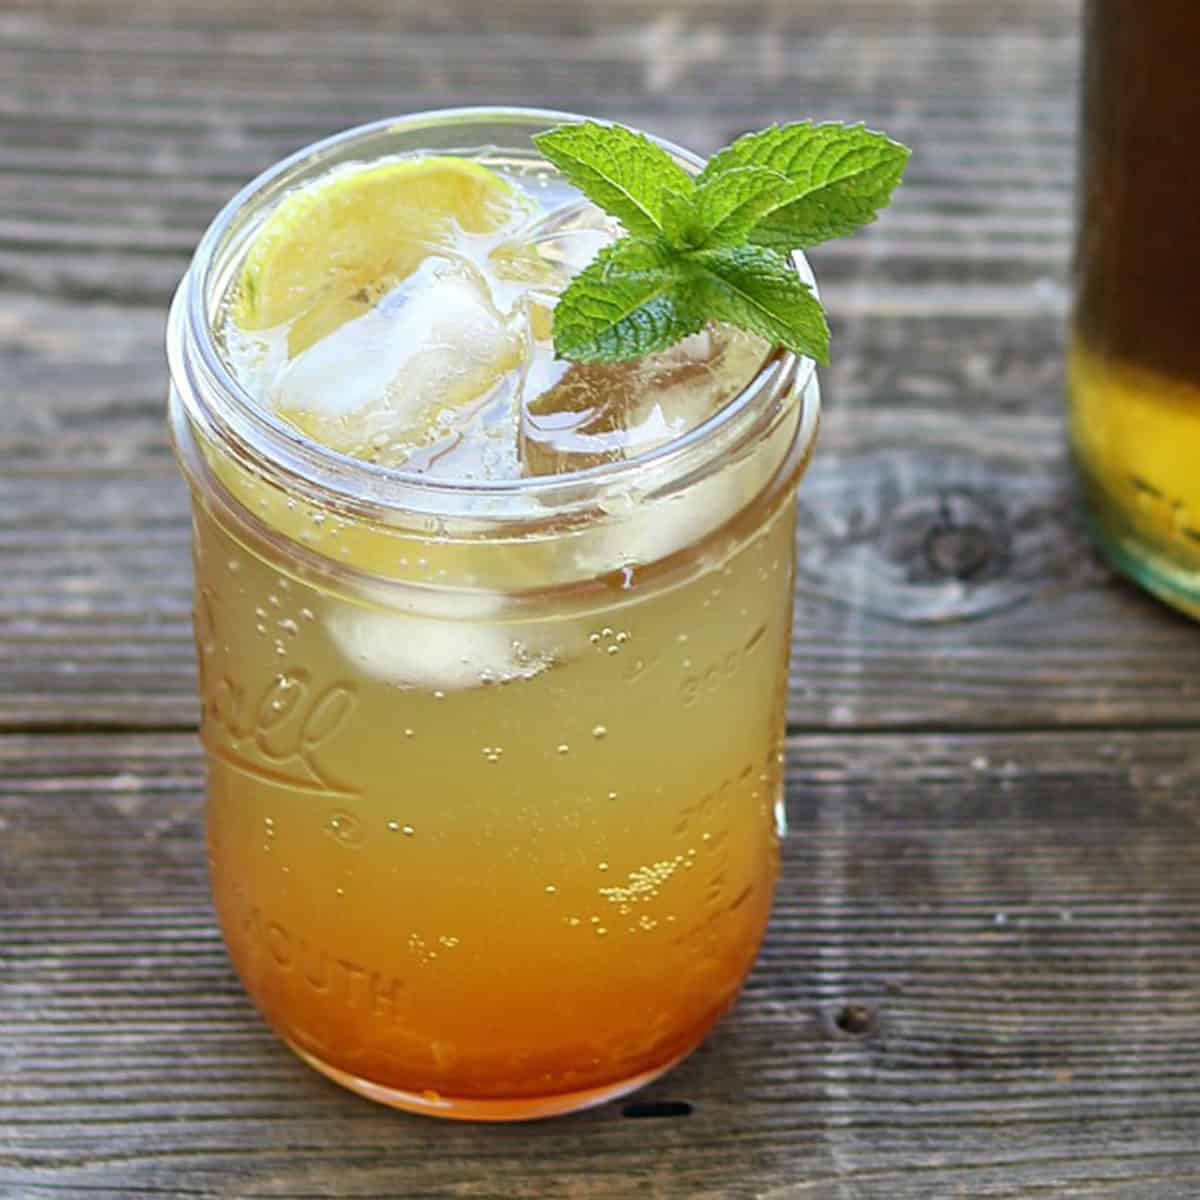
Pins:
x,y
1134,363
511,898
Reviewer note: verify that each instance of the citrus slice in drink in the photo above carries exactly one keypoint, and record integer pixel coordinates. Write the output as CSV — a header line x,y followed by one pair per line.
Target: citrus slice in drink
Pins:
x,y
329,251
318,267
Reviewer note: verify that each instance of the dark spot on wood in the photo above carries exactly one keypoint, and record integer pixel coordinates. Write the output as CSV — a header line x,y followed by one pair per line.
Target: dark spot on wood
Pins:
x,y
855,1019
952,533
657,1108
962,551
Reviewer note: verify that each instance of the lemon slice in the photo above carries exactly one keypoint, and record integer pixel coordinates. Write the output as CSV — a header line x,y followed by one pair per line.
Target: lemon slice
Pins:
x,y
330,250
324,257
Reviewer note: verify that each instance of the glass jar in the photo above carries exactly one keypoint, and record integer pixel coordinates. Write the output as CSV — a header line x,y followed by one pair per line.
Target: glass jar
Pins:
x,y
1134,357
494,768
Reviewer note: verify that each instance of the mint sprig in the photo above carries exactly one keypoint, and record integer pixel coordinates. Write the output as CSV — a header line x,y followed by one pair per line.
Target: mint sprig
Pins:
x,y
630,300
843,175
623,172
714,246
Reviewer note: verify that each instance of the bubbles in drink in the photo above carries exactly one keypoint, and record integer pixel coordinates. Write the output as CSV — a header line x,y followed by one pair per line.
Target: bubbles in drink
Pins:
x,y
445,655
497,762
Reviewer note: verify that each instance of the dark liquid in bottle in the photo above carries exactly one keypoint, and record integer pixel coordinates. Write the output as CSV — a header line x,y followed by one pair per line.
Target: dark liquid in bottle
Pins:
x,y
1135,353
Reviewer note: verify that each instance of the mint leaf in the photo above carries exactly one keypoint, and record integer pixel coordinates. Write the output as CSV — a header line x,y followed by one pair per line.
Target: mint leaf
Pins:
x,y
843,175
621,171
682,228
757,289
626,303
716,247
729,205
724,208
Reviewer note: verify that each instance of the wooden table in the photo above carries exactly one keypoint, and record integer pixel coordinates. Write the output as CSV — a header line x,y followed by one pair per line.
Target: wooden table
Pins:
x,y
983,975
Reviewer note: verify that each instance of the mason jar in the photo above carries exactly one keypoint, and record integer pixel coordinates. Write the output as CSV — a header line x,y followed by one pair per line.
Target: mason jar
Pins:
x,y
494,767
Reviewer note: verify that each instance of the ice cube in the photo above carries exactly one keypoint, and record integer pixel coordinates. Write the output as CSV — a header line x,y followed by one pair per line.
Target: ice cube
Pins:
x,y
579,215
579,415
257,357
649,521
545,255
408,372
575,416
412,651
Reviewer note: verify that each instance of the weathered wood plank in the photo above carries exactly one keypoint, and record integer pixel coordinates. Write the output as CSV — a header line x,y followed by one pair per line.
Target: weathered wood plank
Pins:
x,y
85,383
869,17
184,98
687,33
95,591
95,596
1017,915
948,309
1015,912
967,270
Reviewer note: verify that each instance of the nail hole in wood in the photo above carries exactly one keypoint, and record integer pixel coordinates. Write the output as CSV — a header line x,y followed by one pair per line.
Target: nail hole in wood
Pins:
x,y
657,1108
854,1018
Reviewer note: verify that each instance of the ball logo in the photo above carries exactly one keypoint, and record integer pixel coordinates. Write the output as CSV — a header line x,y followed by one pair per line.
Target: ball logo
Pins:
x,y
280,731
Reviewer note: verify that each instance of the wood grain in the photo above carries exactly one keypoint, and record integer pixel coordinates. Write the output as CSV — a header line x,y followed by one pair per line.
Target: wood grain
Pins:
x,y
1016,917
119,141
95,601
95,591
981,978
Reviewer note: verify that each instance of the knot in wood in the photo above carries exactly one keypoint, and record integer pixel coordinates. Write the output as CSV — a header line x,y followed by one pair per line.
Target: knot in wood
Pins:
x,y
953,533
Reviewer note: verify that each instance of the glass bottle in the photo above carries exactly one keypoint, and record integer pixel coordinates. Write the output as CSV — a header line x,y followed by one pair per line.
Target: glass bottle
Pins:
x,y
1134,349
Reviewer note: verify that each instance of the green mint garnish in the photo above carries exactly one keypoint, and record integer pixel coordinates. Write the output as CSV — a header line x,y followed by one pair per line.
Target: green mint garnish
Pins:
x,y
623,172
713,247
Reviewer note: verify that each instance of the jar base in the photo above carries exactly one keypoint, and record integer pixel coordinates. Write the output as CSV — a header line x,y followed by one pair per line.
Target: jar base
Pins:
x,y
524,1108
1173,584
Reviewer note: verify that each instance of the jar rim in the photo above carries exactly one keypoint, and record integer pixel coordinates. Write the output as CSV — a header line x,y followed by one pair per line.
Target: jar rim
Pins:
x,y
215,400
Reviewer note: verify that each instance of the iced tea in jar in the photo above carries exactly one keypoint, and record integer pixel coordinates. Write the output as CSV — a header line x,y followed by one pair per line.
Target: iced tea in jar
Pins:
x,y
493,645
